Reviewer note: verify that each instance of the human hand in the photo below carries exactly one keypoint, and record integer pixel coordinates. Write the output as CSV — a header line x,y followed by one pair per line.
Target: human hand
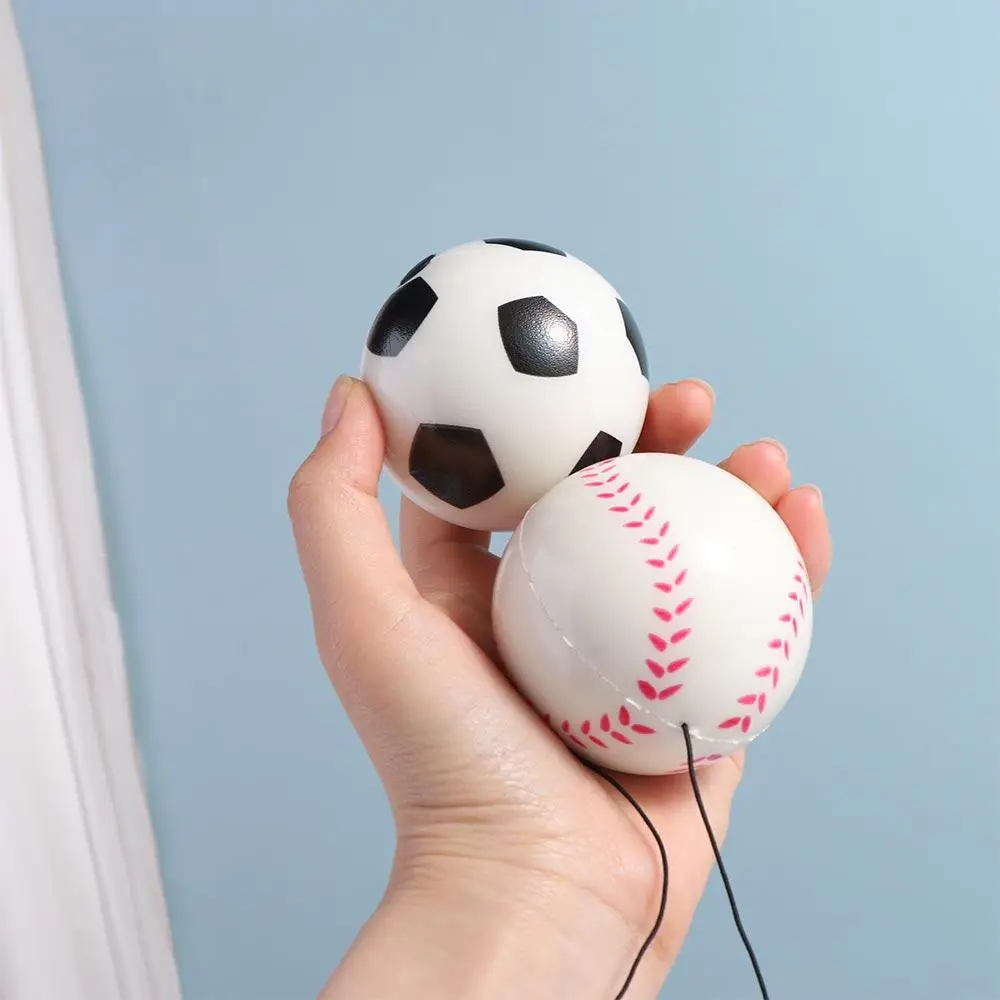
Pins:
x,y
518,871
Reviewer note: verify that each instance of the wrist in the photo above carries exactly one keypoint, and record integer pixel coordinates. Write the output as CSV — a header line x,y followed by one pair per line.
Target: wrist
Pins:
x,y
487,936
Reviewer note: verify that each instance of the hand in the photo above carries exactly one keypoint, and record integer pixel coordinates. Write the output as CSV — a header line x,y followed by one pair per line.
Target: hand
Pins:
x,y
518,872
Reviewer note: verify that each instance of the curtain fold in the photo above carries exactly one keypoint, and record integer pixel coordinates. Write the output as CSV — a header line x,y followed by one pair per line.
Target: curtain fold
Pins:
x,y
82,911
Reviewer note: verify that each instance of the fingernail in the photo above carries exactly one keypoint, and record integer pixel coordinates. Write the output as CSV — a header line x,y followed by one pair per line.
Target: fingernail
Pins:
x,y
774,443
705,385
816,490
335,403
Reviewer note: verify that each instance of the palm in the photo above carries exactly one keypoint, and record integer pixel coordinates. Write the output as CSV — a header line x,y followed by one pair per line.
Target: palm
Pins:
x,y
454,571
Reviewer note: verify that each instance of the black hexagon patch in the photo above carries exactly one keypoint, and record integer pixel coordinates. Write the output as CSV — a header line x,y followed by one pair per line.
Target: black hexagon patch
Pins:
x,y
634,337
400,316
455,464
539,338
603,447
417,268
527,245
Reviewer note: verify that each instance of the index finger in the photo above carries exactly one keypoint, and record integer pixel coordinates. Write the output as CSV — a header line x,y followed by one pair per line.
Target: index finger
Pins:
x,y
678,414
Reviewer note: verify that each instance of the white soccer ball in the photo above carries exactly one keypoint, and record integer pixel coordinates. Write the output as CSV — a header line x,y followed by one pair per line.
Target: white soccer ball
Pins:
x,y
500,367
647,592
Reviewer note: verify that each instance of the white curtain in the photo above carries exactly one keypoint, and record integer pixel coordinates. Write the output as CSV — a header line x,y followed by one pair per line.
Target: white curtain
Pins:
x,y
82,914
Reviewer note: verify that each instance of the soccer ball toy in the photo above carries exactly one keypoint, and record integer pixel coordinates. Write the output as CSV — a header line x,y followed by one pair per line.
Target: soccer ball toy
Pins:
x,y
647,592
499,368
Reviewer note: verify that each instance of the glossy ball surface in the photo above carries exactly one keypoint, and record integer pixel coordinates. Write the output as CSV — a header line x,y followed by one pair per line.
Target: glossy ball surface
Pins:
x,y
499,368
650,591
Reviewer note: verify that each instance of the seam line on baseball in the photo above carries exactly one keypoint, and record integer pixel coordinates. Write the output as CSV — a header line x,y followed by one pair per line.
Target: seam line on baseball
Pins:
x,y
632,703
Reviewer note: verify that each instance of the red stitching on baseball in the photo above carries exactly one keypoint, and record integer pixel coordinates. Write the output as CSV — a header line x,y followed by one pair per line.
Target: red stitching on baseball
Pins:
x,y
756,702
705,758
779,646
601,477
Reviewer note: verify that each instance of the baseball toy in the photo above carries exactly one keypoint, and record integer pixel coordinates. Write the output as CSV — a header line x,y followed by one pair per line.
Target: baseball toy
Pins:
x,y
646,592
499,368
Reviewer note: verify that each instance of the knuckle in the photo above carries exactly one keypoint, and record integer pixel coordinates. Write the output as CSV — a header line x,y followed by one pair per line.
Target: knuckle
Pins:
x,y
308,488
300,485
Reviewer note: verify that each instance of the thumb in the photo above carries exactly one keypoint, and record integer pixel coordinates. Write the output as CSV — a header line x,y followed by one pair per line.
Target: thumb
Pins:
x,y
359,590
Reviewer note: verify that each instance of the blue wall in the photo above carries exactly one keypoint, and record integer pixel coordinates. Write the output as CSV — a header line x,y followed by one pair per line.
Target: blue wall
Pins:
x,y
799,201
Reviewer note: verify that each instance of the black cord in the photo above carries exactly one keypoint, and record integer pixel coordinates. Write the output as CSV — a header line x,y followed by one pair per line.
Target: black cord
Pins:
x,y
721,865
692,773
620,788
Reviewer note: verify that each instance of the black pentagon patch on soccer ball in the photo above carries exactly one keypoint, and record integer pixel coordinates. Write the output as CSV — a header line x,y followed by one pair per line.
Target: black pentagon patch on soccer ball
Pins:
x,y
539,338
454,464
603,447
527,245
398,319
634,337
417,268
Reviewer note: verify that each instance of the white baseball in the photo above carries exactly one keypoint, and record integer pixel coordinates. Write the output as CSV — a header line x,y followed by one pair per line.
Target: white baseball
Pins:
x,y
647,592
